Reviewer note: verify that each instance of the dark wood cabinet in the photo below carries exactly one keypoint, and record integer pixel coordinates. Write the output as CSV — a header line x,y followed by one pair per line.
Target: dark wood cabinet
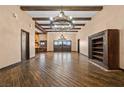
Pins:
x,y
104,48
43,46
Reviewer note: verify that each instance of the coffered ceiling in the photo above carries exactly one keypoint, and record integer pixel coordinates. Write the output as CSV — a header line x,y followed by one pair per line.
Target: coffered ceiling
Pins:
x,y
80,14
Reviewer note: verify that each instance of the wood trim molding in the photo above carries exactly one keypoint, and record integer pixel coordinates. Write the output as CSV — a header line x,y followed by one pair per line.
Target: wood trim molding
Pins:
x,y
39,27
11,66
75,18
58,8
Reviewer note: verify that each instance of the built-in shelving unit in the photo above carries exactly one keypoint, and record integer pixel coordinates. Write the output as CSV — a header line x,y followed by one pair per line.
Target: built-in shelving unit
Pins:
x,y
104,48
97,48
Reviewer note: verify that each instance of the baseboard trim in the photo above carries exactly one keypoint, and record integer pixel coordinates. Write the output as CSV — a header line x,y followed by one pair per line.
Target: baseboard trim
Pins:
x,y
14,65
83,54
122,69
73,51
50,51
10,66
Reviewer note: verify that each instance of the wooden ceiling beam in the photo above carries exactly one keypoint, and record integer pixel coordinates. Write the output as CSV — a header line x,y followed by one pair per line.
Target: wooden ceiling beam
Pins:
x,y
82,18
41,18
79,24
74,18
64,8
39,27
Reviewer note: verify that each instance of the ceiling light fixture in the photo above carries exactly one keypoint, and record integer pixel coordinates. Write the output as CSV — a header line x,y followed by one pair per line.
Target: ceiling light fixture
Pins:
x,y
61,22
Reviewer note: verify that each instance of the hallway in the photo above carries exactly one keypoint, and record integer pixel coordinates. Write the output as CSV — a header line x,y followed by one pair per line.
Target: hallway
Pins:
x,y
59,69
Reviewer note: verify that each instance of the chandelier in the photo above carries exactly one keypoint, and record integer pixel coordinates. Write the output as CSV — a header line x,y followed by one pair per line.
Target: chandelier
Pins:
x,y
61,22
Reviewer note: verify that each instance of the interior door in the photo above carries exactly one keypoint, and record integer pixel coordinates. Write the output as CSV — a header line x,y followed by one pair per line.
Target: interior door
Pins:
x,y
78,46
24,45
66,45
57,46
62,45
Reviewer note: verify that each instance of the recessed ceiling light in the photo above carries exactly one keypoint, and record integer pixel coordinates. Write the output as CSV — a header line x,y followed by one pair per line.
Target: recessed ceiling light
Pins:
x,y
51,18
70,17
73,21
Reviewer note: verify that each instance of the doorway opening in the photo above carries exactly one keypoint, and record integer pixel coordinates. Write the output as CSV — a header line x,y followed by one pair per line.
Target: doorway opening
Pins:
x,y
62,45
43,46
25,55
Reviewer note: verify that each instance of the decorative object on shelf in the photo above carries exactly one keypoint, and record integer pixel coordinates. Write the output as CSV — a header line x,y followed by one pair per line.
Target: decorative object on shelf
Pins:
x,y
62,22
104,48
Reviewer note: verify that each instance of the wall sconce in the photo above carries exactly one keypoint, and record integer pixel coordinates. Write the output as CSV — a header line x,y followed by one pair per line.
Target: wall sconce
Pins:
x,y
14,15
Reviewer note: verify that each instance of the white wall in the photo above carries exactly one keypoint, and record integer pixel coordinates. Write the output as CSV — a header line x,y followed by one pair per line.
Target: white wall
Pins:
x,y
12,20
111,17
56,35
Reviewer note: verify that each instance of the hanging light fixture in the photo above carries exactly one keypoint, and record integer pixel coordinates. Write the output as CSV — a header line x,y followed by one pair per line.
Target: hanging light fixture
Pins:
x,y
62,22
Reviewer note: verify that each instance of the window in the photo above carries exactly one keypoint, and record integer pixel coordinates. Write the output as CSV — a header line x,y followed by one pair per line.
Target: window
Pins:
x,y
68,43
60,42
55,43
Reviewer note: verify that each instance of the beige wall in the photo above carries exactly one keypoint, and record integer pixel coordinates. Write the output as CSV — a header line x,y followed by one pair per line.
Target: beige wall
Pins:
x,y
43,36
109,17
56,35
12,20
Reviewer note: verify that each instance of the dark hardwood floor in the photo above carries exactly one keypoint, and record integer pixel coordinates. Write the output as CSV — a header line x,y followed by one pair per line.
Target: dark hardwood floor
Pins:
x,y
61,70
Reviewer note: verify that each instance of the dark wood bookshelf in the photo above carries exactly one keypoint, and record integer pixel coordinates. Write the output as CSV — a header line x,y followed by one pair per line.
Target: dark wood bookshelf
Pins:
x,y
97,56
104,48
98,52
97,43
97,47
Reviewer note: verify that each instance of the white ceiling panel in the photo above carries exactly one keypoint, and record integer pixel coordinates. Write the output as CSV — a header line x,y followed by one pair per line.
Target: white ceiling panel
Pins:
x,y
43,22
68,13
49,26
53,30
45,26
75,22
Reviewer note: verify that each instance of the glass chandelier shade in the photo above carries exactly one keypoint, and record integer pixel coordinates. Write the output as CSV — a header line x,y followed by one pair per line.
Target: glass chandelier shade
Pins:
x,y
61,22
